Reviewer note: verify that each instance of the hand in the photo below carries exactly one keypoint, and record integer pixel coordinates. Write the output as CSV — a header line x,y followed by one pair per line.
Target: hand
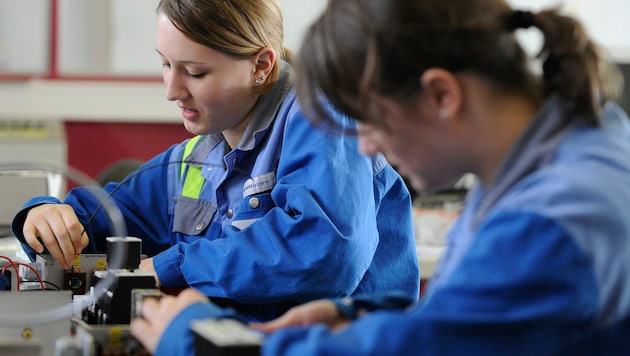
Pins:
x,y
57,227
147,266
157,315
319,311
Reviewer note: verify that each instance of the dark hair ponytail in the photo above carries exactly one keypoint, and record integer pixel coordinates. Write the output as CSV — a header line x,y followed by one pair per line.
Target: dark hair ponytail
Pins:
x,y
573,65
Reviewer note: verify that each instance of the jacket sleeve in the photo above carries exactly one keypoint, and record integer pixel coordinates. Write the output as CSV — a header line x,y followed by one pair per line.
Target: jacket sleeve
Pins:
x,y
318,240
524,288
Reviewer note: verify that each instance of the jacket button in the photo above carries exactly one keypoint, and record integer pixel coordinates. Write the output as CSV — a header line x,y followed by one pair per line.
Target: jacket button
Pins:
x,y
230,213
254,202
199,226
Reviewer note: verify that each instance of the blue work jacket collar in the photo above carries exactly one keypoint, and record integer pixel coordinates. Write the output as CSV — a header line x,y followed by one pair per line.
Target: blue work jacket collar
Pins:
x,y
535,148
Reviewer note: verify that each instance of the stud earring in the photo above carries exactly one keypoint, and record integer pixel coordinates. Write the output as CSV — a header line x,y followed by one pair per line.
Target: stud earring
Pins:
x,y
260,79
443,113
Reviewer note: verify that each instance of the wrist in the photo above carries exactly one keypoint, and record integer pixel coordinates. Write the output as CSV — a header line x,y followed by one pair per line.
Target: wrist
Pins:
x,y
346,308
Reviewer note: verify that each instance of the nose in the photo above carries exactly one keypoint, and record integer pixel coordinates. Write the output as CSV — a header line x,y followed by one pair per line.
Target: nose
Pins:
x,y
175,88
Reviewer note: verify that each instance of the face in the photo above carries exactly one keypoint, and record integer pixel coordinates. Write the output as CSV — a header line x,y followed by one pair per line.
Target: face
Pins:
x,y
415,143
214,91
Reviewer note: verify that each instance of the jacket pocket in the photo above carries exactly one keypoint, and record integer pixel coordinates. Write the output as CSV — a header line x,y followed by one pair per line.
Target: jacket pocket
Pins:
x,y
192,216
253,208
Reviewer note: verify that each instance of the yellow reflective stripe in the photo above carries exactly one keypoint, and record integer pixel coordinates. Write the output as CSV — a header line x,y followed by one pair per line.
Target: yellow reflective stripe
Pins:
x,y
193,182
187,150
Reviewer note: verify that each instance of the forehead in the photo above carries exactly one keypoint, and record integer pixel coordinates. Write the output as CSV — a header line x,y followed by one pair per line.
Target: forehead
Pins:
x,y
173,43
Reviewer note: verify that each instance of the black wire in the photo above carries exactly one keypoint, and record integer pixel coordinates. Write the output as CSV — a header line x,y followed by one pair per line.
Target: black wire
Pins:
x,y
39,289
52,284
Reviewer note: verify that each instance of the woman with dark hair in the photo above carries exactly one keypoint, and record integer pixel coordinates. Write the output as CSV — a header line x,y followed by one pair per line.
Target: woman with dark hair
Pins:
x,y
537,263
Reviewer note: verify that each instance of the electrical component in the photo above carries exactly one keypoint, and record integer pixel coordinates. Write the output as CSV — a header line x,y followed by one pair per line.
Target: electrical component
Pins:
x,y
75,280
225,337
113,305
79,278
26,276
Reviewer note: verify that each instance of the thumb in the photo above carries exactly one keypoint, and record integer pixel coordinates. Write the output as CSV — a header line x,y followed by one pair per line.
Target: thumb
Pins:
x,y
80,243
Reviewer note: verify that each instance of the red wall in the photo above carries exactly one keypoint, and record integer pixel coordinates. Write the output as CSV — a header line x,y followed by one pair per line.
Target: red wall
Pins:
x,y
93,146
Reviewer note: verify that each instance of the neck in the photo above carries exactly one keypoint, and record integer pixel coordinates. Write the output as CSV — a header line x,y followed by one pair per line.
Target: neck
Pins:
x,y
499,120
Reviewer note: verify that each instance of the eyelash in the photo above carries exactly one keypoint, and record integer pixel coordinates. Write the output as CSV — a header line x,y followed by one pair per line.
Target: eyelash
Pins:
x,y
195,76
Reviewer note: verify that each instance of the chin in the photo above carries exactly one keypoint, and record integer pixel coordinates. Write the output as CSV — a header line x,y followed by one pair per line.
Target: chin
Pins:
x,y
427,187
195,129
418,184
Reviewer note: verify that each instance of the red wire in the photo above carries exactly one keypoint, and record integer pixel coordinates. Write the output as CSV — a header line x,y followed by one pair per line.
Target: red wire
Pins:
x,y
39,277
15,264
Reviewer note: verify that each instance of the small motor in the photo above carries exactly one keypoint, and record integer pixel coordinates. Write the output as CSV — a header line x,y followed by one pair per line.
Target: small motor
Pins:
x,y
114,299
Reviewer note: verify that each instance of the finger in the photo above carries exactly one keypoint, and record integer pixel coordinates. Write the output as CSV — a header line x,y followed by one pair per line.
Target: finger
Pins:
x,y
191,295
146,265
36,226
64,241
64,224
339,324
142,331
30,236
85,240
283,321
150,307
48,238
262,327
52,232
138,327
75,229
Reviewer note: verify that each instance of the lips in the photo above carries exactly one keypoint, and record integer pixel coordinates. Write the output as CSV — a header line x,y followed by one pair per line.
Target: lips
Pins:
x,y
189,114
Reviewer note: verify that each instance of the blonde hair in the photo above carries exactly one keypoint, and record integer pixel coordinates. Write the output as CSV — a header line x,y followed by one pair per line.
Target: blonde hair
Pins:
x,y
239,28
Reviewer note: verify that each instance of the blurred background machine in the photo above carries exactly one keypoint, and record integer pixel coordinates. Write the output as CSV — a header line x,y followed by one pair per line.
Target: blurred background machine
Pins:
x,y
28,141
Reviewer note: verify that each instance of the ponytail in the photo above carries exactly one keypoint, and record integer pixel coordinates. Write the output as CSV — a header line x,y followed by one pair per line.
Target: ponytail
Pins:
x,y
573,65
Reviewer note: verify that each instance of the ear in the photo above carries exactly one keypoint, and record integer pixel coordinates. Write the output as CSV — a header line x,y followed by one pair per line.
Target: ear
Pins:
x,y
442,91
264,61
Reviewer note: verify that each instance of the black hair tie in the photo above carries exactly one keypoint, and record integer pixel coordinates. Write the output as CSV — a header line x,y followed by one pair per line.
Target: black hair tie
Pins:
x,y
551,65
520,19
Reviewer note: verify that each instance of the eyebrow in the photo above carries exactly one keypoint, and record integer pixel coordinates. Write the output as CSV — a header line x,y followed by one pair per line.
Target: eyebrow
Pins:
x,y
184,61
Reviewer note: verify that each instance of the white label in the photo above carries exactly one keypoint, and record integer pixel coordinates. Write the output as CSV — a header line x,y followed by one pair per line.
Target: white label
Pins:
x,y
259,184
